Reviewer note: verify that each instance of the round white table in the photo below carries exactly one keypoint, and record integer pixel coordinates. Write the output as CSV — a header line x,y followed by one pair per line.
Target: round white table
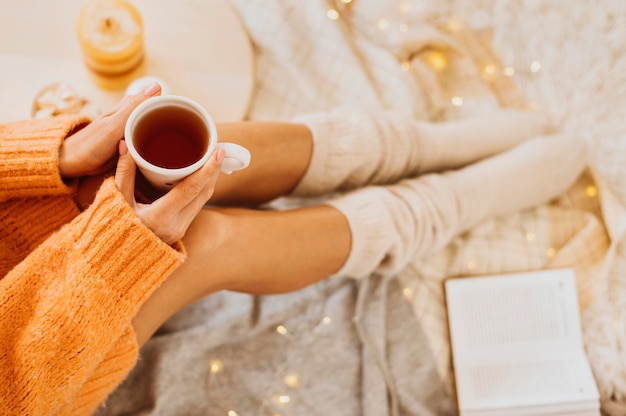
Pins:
x,y
200,49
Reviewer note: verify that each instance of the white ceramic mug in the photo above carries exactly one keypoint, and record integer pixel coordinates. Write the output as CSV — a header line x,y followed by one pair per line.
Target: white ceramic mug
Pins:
x,y
237,157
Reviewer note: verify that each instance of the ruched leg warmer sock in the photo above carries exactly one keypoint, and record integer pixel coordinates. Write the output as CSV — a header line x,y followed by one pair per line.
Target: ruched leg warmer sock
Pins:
x,y
353,147
392,224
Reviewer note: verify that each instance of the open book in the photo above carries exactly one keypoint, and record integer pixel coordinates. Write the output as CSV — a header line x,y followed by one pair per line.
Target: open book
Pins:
x,y
517,345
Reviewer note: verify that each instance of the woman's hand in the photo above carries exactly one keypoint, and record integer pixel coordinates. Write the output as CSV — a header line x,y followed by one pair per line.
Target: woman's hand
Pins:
x,y
93,150
171,214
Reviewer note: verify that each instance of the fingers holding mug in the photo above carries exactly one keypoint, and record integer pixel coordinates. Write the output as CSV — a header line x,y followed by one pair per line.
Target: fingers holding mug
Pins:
x,y
173,142
170,216
125,174
194,191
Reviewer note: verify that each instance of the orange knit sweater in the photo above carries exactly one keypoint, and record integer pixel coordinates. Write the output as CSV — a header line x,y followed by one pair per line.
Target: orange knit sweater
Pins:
x,y
70,281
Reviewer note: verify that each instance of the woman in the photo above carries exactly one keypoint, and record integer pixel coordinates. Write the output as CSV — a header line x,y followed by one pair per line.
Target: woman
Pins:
x,y
87,279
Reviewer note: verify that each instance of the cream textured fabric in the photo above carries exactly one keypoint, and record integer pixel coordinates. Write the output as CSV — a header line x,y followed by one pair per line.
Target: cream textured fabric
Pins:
x,y
307,63
353,146
416,217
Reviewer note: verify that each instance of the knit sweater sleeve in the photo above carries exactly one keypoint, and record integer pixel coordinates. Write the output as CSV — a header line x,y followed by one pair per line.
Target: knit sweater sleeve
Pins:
x,y
66,310
29,151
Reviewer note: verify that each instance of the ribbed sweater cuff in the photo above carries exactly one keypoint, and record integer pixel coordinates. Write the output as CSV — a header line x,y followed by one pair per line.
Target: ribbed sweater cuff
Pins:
x,y
30,156
121,251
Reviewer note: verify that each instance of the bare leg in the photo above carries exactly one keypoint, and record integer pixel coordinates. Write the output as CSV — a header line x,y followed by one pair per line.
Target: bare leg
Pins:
x,y
259,252
281,153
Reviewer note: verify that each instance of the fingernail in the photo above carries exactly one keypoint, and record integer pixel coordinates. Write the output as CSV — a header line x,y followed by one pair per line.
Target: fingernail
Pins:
x,y
123,149
153,89
221,154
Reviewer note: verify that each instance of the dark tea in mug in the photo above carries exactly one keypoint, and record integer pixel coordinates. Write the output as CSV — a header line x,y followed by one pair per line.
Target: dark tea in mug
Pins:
x,y
171,137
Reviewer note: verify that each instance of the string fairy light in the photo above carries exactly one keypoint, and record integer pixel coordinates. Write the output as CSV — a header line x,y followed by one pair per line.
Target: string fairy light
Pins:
x,y
509,71
535,66
454,24
591,191
215,366
292,380
436,59
407,292
383,24
457,101
283,399
489,70
332,14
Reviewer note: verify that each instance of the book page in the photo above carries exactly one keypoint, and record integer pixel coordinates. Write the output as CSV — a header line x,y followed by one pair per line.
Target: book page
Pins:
x,y
523,313
516,340
544,380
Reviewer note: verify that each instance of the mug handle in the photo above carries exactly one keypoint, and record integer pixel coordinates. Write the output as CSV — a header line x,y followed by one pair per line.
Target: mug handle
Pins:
x,y
237,157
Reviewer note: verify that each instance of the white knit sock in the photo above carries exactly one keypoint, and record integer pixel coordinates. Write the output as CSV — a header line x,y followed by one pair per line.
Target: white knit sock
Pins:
x,y
392,224
355,147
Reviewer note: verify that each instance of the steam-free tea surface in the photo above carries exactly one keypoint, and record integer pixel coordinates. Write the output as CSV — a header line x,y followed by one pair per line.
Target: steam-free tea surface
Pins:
x,y
171,137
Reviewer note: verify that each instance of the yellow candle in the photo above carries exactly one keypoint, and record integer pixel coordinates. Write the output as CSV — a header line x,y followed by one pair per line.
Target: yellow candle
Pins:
x,y
110,34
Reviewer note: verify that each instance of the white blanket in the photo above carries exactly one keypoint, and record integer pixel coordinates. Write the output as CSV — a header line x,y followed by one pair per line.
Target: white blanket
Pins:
x,y
441,60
